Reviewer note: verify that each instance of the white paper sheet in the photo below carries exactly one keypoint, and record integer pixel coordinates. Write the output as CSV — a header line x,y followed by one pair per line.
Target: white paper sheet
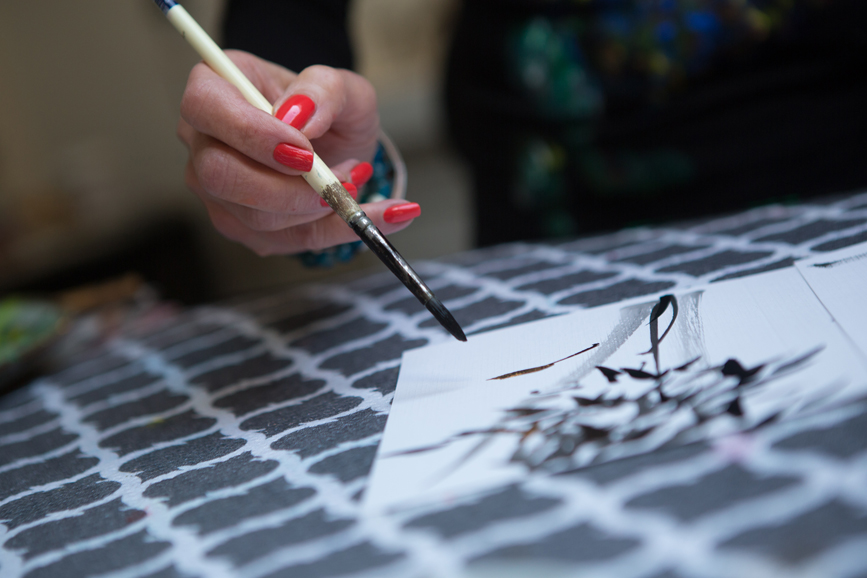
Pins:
x,y
839,279
739,353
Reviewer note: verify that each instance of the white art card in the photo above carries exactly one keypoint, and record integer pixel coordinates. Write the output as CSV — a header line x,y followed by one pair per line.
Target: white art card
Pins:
x,y
839,280
710,361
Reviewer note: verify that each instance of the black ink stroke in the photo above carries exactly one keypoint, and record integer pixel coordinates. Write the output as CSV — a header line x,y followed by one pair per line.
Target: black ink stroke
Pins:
x,y
832,264
655,314
552,439
541,367
733,368
641,374
557,436
610,374
686,365
797,362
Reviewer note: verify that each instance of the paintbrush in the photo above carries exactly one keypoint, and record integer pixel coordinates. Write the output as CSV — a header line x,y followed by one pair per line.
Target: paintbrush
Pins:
x,y
320,176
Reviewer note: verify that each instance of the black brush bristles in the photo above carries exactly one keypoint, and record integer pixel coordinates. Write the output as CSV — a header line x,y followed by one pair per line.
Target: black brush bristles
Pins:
x,y
382,248
446,319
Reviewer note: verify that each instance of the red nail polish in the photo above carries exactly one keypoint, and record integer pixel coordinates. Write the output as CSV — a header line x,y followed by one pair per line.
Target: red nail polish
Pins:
x,y
361,173
350,188
296,111
401,213
293,157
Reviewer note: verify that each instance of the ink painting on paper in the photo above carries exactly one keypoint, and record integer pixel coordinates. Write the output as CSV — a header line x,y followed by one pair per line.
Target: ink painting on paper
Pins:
x,y
611,382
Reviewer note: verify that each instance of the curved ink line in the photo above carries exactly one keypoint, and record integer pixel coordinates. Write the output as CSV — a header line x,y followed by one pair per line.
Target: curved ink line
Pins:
x,y
674,310
541,367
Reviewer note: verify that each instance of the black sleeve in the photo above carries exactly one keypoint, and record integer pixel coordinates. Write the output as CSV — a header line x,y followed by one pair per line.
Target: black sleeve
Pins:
x,y
292,33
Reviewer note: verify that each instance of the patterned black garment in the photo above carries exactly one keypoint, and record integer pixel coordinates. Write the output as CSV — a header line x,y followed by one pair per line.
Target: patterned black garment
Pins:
x,y
292,33
598,114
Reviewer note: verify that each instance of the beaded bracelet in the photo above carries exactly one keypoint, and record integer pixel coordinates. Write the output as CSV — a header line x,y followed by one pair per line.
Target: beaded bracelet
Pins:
x,y
388,182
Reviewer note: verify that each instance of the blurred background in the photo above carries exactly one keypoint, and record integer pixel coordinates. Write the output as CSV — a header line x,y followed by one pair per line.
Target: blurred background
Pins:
x,y
627,117
91,172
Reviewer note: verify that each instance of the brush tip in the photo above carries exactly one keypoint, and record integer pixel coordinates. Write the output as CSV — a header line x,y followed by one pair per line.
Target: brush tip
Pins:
x,y
446,319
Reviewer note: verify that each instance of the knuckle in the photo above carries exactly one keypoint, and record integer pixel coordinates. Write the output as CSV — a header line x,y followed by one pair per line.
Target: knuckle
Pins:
x,y
308,237
250,140
365,89
262,221
299,202
215,172
194,96
328,78
198,97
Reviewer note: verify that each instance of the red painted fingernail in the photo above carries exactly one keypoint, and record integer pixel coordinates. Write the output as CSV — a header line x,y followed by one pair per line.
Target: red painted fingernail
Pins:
x,y
401,213
350,188
296,111
293,157
361,173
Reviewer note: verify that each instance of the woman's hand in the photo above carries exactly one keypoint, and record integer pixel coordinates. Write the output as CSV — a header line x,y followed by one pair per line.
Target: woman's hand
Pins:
x,y
244,164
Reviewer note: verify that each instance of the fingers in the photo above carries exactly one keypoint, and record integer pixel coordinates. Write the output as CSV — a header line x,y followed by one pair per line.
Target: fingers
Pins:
x,y
271,79
234,179
315,235
334,108
294,221
343,171
215,108
227,136
245,164
258,198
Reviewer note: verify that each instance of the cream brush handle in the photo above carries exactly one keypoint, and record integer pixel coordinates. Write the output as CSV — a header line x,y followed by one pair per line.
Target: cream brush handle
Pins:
x,y
320,176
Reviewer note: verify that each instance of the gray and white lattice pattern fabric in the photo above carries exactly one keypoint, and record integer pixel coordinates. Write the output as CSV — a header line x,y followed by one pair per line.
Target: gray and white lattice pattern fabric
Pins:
x,y
237,439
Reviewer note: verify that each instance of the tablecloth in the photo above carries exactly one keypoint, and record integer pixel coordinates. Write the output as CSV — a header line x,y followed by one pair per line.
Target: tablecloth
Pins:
x,y
236,439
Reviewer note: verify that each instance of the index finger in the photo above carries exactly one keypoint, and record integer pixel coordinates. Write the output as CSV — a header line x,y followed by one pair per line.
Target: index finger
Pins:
x,y
212,106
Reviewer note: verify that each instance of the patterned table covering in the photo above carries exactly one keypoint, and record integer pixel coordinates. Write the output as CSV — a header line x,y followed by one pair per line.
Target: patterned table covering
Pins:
x,y
237,439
